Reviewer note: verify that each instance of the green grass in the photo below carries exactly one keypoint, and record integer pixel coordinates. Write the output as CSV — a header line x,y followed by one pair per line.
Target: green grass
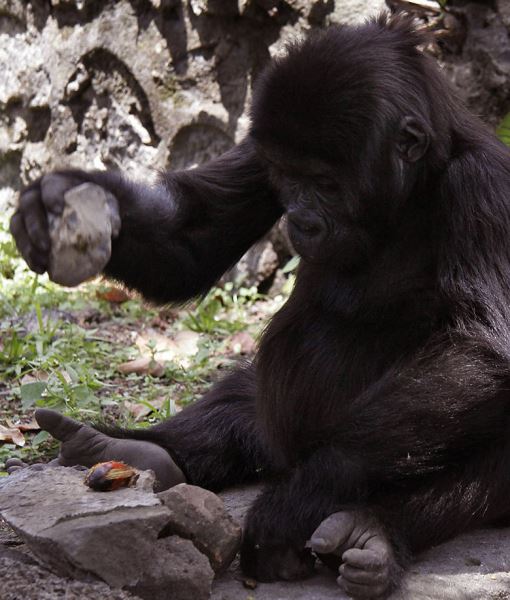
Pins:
x,y
503,131
61,348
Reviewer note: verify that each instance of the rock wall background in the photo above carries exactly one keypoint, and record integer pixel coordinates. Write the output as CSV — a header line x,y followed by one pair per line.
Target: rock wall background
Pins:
x,y
151,84
136,84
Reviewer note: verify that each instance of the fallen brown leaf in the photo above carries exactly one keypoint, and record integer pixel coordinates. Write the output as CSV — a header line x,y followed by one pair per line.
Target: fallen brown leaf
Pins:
x,y
168,349
32,425
12,435
139,411
34,376
142,366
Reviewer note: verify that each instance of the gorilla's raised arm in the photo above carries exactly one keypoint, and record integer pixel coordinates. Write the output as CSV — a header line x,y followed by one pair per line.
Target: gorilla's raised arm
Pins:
x,y
176,238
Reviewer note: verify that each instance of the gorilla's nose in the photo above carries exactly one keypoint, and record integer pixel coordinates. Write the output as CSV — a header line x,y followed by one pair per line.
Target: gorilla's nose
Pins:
x,y
305,222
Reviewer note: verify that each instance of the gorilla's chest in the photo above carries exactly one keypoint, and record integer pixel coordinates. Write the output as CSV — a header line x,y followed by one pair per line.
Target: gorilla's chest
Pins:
x,y
310,372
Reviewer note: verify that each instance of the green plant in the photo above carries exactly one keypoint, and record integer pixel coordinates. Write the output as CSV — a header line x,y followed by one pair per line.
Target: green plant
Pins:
x,y
503,131
220,311
60,348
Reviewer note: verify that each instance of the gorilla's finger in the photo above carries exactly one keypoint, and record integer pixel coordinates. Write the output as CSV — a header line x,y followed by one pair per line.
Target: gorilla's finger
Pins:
x,y
361,576
14,462
34,259
79,468
36,222
13,469
61,428
332,533
53,188
369,560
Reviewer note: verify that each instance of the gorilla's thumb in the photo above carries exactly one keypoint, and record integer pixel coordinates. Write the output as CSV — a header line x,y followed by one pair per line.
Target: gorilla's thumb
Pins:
x,y
332,533
60,427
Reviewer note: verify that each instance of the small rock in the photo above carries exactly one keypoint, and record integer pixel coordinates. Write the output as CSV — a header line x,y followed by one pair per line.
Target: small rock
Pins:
x,y
176,570
250,584
81,238
200,516
142,366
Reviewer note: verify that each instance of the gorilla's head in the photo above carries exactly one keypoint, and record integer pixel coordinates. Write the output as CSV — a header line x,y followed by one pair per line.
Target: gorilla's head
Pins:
x,y
346,125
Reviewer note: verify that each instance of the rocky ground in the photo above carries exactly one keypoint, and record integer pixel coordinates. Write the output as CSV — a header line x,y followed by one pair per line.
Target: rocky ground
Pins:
x,y
475,566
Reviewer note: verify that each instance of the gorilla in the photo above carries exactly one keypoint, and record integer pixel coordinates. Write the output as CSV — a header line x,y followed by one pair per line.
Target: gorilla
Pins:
x,y
377,410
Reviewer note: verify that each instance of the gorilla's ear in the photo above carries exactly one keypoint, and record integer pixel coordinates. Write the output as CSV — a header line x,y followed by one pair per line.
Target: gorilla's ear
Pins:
x,y
413,140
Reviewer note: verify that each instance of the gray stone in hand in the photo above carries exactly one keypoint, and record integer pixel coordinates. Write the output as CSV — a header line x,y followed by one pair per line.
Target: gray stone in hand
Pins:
x,y
81,237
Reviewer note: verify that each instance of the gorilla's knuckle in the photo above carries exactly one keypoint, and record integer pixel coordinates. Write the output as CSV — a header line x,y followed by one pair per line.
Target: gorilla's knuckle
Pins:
x,y
15,223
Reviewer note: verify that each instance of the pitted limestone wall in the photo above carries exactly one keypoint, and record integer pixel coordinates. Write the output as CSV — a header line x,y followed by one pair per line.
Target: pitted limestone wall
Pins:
x,y
136,83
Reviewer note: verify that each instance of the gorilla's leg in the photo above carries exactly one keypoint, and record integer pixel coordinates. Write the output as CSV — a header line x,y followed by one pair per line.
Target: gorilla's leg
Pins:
x,y
363,544
212,443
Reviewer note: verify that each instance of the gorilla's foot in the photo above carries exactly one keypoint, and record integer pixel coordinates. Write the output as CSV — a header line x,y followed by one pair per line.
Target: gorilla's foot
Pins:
x,y
84,445
368,568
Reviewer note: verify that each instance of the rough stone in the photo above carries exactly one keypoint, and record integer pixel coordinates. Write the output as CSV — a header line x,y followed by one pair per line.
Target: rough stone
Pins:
x,y
353,12
503,7
200,516
480,68
81,238
175,570
117,537
20,581
256,266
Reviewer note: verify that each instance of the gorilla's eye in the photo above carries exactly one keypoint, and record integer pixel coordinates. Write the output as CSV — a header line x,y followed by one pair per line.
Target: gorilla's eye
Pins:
x,y
326,185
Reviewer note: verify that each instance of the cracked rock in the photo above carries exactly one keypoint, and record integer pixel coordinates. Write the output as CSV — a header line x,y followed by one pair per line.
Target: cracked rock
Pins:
x,y
200,516
119,538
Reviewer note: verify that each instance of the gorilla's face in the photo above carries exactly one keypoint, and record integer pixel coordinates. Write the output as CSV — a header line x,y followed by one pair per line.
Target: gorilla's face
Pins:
x,y
339,210
322,209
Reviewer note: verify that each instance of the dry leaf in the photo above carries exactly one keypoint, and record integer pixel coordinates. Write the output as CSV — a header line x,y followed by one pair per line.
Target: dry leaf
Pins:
x,y
242,343
34,376
142,366
167,349
12,435
139,411
115,295
32,425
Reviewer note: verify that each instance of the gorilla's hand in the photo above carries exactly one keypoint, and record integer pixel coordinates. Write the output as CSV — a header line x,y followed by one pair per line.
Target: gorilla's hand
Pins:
x,y
272,559
268,556
355,544
41,202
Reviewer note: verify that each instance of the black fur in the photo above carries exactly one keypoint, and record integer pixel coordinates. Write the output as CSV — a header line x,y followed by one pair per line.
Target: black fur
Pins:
x,y
383,382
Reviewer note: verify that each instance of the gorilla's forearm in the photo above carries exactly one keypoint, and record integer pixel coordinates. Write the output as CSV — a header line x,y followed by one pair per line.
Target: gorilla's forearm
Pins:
x,y
179,237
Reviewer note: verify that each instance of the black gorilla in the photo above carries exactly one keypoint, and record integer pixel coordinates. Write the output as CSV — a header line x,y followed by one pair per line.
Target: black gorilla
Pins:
x,y
378,407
